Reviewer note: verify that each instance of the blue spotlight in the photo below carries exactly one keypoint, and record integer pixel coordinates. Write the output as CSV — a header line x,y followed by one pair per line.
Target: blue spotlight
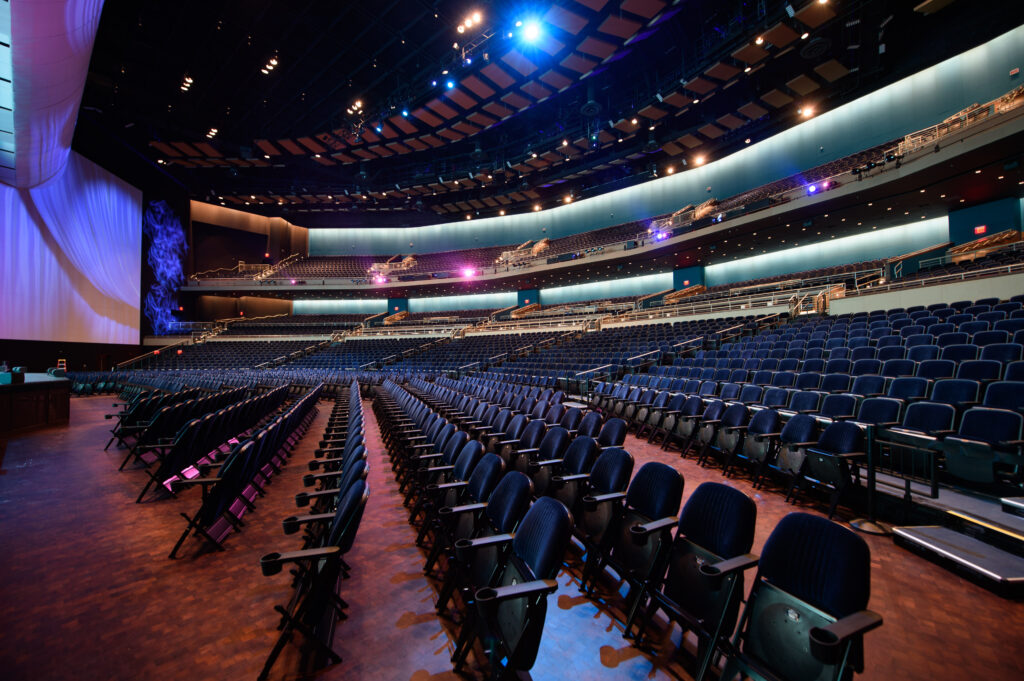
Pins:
x,y
812,188
531,31
450,84
378,129
433,83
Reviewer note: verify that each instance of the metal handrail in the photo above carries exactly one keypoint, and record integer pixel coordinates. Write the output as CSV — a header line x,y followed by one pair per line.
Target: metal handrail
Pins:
x,y
151,353
588,371
1014,268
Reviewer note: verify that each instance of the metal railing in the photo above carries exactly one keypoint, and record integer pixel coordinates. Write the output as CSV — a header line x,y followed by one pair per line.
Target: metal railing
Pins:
x,y
981,252
1015,268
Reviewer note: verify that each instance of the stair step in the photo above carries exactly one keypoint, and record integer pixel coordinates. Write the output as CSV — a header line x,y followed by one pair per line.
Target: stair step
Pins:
x,y
998,570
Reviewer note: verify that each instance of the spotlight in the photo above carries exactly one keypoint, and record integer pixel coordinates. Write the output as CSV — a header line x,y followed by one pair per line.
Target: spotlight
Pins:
x,y
461,29
433,83
536,207
501,212
698,161
450,84
759,40
405,113
476,17
670,170
568,198
468,272
293,282
531,31
811,189
633,121
806,112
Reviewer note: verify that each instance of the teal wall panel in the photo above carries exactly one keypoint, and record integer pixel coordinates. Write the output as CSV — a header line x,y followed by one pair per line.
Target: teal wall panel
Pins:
x,y
687,276
615,288
397,305
354,306
527,296
994,216
479,301
883,243
978,75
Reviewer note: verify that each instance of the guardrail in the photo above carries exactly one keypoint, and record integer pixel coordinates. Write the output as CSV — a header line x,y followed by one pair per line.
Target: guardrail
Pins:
x,y
1015,268
152,353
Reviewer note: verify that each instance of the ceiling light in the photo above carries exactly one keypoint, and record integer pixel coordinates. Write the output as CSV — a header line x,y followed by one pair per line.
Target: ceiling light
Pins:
x,y
746,141
273,61
806,112
476,17
565,143
450,84
536,206
670,170
501,212
461,28
746,70
531,32
633,121
759,40
805,36
358,104
696,101
698,160
568,198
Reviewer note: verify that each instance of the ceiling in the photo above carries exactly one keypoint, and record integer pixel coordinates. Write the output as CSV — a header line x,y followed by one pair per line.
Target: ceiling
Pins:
x,y
253,104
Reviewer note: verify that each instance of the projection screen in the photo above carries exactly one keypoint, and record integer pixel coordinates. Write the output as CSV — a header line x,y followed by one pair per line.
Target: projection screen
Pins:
x,y
70,258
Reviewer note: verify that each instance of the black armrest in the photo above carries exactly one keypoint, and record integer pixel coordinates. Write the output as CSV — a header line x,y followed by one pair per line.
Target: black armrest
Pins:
x,y
729,429
641,532
1008,444
886,424
310,480
527,452
827,642
438,469
497,594
802,444
537,465
291,523
424,445
462,546
177,485
271,563
762,436
710,422
939,434
674,411
447,485
721,569
508,442
571,478
590,502
303,498
465,508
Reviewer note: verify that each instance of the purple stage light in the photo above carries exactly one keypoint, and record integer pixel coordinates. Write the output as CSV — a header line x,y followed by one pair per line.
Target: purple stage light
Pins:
x,y
468,272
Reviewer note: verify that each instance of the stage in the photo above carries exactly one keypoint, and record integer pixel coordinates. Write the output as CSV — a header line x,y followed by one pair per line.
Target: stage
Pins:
x,y
42,400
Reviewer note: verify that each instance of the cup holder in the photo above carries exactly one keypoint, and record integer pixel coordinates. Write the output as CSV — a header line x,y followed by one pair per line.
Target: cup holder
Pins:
x,y
270,564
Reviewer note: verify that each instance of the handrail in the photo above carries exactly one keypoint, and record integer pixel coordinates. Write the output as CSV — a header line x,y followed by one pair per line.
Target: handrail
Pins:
x,y
692,340
498,356
588,371
1015,268
466,366
644,354
151,353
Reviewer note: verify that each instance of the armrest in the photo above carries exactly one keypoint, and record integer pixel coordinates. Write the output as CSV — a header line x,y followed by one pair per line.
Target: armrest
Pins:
x,y
291,523
271,563
438,469
802,444
447,485
827,642
303,498
177,485
730,429
508,442
424,445
711,422
466,508
528,452
939,434
724,568
571,478
886,424
497,594
639,533
537,465
309,480
968,404
674,412
462,546
1008,444
590,502
763,436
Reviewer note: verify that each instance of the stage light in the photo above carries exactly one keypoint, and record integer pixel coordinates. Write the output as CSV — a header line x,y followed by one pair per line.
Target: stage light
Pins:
x,y
378,129
698,161
536,207
568,198
450,84
468,272
565,143
759,40
469,217
405,113
811,189
670,170
293,282
476,17
746,70
461,28
531,32
806,112
501,212
468,22
805,36
633,121
433,83
826,183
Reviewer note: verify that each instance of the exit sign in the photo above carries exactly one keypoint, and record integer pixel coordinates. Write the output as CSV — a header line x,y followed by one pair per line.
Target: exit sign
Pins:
x,y
981,229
